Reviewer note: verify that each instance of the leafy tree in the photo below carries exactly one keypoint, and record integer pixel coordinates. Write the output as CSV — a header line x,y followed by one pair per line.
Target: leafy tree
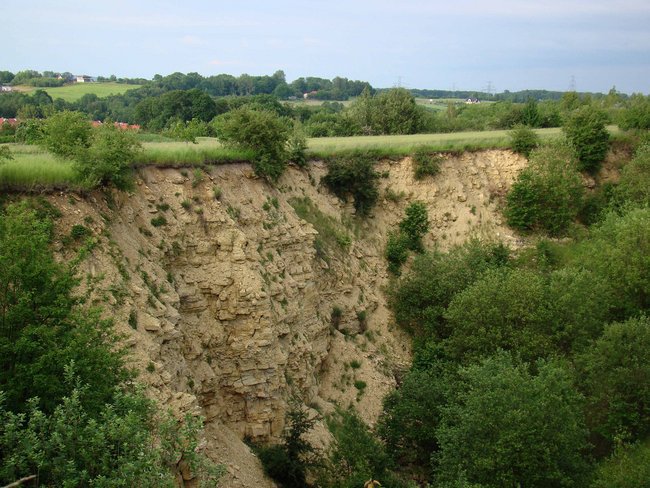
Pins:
x,y
288,462
354,175
547,194
66,134
530,114
261,131
619,254
524,140
505,308
634,184
586,132
397,251
108,159
419,300
637,113
356,455
628,467
415,225
41,331
508,427
411,416
616,372
397,113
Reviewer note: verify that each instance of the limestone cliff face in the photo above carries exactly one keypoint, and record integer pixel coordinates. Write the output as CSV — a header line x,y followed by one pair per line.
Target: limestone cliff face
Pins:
x,y
227,302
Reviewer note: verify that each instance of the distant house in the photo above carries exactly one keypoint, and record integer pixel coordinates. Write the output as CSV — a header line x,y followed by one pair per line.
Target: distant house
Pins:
x,y
84,79
6,88
12,122
309,94
472,100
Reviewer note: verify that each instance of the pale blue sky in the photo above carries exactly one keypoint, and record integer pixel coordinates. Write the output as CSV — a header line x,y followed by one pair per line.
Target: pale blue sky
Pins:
x,y
514,44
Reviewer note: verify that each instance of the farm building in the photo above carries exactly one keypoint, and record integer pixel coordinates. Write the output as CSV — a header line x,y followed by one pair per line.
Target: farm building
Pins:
x,y
84,79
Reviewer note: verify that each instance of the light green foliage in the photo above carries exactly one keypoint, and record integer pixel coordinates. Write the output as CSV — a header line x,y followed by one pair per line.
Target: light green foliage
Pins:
x,y
504,309
415,225
262,131
108,159
354,175
524,139
67,411
66,134
547,194
634,185
391,112
619,253
615,372
637,113
5,154
297,147
585,129
629,467
41,330
507,427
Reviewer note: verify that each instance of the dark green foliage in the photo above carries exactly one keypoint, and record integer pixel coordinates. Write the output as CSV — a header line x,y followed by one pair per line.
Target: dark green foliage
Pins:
x,y
547,194
288,462
425,164
79,231
615,372
354,175
585,129
507,427
415,225
397,251
159,221
524,139
411,417
420,299
619,253
261,131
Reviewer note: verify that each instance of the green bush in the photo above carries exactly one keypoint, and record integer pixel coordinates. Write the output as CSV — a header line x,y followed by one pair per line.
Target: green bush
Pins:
x,y
415,225
524,139
506,426
79,231
425,163
66,134
586,132
547,194
628,467
354,175
397,251
107,160
159,221
261,131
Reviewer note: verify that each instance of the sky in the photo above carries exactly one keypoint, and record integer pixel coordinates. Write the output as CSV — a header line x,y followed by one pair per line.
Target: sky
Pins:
x,y
589,45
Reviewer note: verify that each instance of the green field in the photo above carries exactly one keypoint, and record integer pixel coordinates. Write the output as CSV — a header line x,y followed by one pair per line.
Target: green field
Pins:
x,y
73,92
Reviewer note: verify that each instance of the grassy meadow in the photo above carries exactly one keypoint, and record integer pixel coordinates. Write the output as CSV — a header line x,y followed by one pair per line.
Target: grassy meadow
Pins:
x,y
73,92
33,168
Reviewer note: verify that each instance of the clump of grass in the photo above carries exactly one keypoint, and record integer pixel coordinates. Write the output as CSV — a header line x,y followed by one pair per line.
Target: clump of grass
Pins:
x,y
234,212
217,192
79,231
425,164
163,207
355,364
197,177
186,204
159,221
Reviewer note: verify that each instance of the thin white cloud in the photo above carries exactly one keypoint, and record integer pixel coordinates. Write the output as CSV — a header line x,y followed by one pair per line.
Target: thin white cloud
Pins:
x,y
190,40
